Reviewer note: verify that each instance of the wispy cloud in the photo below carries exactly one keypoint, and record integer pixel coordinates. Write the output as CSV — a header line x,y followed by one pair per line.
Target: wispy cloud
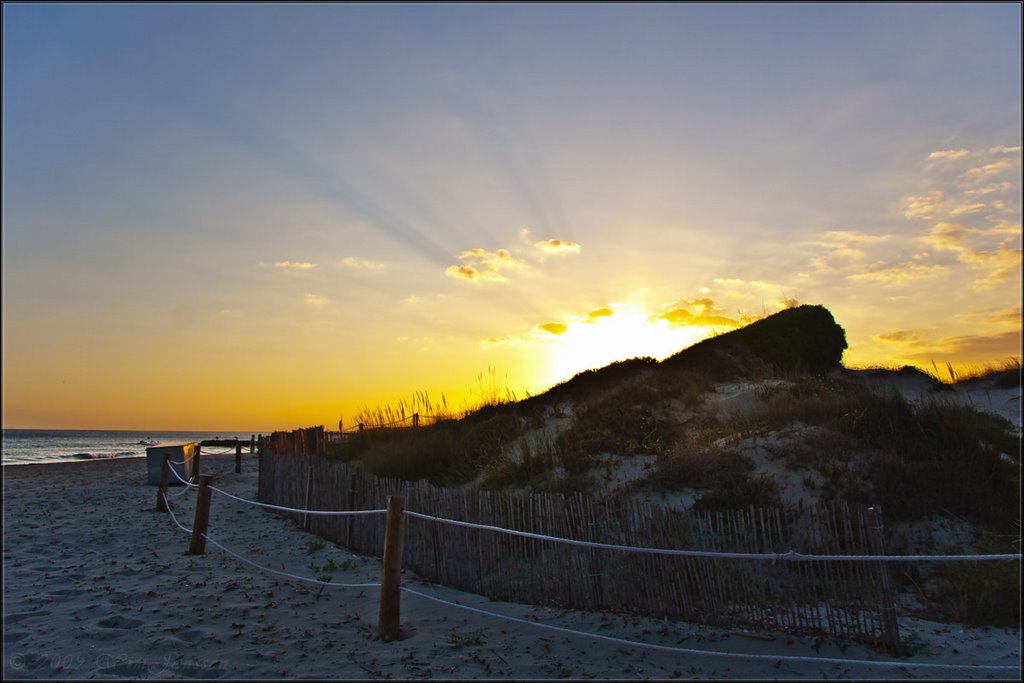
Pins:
x,y
947,236
847,245
1000,317
499,341
923,206
964,348
854,237
999,264
315,299
483,265
470,273
948,154
899,336
901,273
998,261
762,285
294,265
556,246
966,208
989,189
361,264
972,211
987,170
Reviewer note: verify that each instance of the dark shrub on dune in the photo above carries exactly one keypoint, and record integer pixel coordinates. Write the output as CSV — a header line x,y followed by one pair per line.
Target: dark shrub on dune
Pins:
x,y
800,339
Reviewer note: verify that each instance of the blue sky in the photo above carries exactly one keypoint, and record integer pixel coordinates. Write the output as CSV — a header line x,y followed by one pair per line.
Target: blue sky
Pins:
x,y
358,199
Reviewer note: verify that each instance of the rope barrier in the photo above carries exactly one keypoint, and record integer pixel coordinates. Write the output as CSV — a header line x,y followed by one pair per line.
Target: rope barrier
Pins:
x,y
183,491
178,477
709,653
268,569
175,462
338,513
173,517
286,574
791,555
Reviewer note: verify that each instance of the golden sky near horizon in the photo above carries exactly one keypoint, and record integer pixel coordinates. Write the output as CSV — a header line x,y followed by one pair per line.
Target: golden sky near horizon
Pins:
x,y
270,216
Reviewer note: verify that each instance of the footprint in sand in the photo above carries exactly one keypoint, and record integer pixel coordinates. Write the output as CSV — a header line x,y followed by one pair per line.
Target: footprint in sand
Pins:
x,y
119,622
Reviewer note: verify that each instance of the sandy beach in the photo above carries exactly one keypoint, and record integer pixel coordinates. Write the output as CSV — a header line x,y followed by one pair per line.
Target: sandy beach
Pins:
x,y
97,585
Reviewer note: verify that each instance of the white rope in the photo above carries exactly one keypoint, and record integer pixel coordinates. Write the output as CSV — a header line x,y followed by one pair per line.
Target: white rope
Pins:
x,y
305,512
708,653
792,555
286,574
183,491
178,477
173,518
175,462
268,569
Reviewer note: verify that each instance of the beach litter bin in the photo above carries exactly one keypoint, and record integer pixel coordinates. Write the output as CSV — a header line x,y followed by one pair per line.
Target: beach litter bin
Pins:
x,y
181,456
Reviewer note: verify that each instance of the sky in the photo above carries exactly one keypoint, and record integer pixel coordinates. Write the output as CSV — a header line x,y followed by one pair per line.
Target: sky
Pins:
x,y
269,216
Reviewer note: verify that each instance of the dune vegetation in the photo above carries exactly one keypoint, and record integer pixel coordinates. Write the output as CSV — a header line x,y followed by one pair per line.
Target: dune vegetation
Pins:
x,y
795,415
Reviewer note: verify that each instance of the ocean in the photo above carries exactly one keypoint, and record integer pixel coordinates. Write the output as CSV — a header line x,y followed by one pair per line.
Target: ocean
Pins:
x,y
24,446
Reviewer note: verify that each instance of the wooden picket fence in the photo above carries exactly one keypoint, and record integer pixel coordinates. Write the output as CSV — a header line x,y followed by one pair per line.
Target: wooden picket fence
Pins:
x,y
826,597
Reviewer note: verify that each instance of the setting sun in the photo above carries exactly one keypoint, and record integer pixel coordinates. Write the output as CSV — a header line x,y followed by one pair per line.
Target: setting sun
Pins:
x,y
623,332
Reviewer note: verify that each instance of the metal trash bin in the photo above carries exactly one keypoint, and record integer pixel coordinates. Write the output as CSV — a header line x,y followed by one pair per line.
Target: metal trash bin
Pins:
x,y
183,453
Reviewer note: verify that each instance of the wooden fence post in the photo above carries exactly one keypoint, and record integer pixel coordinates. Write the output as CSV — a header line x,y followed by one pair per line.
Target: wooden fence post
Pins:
x,y
195,465
415,419
391,573
309,492
351,506
165,473
890,625
252,444
238,457
197,546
